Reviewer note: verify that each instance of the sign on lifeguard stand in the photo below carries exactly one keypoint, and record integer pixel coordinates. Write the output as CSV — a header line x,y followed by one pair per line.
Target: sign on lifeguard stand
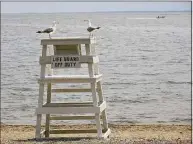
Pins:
x,y
67,54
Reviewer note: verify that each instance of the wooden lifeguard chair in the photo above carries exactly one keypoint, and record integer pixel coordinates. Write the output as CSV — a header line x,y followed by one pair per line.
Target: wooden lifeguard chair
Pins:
x,y
67,54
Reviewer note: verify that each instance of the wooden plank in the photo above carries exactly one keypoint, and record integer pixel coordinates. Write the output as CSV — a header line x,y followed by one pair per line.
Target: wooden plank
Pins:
x,y
93,88
69,79
99,79
67,110
70,90
42,132
83,59
106,133
75,117
67,49
103,106
90,104
74,131
41,93
68,41
99,90
70,102
49,87
101,99
47,126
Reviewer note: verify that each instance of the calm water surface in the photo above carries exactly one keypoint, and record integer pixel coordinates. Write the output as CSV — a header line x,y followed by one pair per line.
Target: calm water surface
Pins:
x,y
145,62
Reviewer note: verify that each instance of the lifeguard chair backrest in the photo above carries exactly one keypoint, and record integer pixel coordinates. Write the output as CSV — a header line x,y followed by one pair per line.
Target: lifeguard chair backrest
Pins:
x,y
67,49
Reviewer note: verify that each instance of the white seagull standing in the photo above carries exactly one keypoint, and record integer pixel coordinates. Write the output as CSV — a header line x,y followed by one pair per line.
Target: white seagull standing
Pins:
x,y
49,30
90,28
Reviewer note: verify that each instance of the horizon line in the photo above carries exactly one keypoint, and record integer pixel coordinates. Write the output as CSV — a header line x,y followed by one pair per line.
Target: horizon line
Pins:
x,y
92,12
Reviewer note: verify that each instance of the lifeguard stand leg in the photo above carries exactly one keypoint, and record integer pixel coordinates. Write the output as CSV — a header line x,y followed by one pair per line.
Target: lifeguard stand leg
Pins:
x,y
47,126
97,115
41,94
39,116
101,99
94,93
49,94
100,93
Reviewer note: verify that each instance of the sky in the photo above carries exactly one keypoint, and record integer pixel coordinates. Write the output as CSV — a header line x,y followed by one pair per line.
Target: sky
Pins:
x,y
50,7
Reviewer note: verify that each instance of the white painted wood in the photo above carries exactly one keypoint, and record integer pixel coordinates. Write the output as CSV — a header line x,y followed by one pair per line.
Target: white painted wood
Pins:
x,y
107,133
103,106
83,59
50,52
71,90
42,132
69,131
41,93
94,96
49,87
67,41
90,66
70,79
67,49
96,68
88,104
69,103
96,107
100,93
47,126
67,110
61,109
101,99
75,117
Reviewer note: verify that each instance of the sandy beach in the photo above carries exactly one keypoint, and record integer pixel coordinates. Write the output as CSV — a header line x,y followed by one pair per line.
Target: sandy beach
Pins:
x,y
121,134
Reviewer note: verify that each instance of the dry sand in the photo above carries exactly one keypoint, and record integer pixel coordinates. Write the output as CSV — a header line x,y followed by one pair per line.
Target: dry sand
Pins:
x,y
121,134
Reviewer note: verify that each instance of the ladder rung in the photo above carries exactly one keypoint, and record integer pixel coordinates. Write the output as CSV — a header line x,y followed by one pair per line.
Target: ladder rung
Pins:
x,y
76,117
83,104
75,131
70,90
70,79
71,109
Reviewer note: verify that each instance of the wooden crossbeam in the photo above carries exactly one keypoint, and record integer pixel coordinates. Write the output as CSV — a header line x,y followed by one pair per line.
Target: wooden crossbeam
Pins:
x,y
83,59
75,131
71,90
68,41
79,117
82,104
70,79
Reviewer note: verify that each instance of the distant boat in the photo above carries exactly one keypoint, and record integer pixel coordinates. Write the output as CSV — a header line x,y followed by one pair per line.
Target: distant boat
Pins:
x,y
160,17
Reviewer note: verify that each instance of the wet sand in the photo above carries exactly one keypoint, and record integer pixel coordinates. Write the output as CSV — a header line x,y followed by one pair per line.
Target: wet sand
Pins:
x,y
120,134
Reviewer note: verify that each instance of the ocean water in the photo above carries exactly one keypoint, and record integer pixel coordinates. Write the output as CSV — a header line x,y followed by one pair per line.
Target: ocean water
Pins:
x,y
145,62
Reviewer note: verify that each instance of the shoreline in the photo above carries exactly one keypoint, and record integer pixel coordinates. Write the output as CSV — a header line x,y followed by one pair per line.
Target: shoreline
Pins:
x,y
120,133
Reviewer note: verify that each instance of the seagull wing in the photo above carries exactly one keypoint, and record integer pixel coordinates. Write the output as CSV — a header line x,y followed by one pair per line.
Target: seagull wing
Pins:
x,y
48,30
90,29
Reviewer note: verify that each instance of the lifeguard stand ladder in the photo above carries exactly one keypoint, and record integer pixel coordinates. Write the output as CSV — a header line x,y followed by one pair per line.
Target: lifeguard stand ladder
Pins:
x,y
67,53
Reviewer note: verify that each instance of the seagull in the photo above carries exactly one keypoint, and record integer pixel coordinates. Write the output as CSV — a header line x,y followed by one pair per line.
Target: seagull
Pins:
x,y
90,28
49,30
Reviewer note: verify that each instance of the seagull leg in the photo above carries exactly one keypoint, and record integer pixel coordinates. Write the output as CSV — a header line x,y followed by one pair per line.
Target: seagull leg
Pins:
x,y
49,36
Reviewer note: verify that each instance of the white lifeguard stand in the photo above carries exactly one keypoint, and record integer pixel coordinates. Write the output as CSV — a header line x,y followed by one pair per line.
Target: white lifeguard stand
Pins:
x,y
67,54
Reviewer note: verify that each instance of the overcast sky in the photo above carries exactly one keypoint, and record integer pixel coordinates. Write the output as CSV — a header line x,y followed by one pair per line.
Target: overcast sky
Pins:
x,y
49,7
